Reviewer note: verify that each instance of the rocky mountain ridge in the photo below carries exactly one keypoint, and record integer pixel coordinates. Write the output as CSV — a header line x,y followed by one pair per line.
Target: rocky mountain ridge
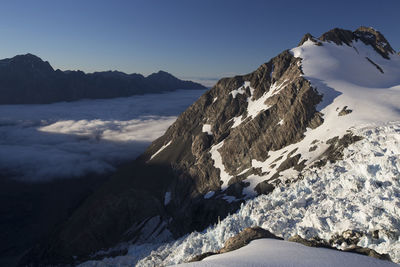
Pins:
x,y
245,136
27,79
367,35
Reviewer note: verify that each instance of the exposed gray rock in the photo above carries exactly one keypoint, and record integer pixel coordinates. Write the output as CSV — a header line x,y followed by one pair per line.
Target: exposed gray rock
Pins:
x,y
245,237
295,105
338,36
307,37
368,252
376,65
335,149
372,37
264,188
345,111
202,256
367,35
312,242
350,237
236,189
349,240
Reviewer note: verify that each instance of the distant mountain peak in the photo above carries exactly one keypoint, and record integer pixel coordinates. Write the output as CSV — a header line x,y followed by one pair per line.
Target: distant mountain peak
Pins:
x,y
338,36
28,62
163,72
160,73
27,58
307,37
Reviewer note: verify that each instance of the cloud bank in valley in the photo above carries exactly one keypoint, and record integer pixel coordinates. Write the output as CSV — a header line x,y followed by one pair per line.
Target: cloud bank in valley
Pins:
x,y
43,142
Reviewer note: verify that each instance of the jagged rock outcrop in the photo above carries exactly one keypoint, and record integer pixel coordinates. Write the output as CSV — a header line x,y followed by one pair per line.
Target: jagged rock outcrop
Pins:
x,y
240,240
211,159
348,238
245,237
26,79
367,35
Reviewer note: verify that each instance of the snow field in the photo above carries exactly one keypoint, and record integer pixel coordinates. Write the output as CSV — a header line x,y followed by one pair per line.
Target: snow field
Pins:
x,y
277,253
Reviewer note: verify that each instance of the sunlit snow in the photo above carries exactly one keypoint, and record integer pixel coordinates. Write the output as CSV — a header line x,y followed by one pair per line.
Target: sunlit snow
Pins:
x,y
278,253
207,129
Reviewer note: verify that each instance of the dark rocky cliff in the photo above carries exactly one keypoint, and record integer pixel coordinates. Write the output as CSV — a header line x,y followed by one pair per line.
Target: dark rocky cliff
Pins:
x,y
178,184
26,79
185,168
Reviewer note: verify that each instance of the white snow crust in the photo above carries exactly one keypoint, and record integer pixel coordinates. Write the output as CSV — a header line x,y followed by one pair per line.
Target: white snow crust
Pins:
x,y
278,253
161,149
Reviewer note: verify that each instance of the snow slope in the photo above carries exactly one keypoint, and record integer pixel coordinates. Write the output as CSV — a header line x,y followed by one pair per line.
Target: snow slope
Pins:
x,y
277,253
346,79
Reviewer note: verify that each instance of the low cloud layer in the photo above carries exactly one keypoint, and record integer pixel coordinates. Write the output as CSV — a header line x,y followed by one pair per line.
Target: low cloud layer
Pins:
x,y
43,142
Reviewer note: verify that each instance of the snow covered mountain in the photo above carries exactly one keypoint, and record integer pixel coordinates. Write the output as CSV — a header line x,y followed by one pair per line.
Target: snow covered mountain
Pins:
x,y
314,131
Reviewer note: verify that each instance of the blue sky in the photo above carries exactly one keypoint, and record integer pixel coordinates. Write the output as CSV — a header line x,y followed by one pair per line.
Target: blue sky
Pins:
x,y
191,39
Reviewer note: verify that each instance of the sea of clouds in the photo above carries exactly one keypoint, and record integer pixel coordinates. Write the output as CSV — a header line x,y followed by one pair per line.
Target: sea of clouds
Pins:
x,y
63,140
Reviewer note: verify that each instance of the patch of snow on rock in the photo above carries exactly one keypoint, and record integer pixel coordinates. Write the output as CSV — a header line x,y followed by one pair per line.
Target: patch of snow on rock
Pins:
x,y
218,164
240,90
209,194
167,198
254,107
161,149
207,129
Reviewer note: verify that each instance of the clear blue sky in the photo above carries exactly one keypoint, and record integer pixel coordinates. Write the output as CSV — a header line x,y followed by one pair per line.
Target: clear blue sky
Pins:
x,y
190,39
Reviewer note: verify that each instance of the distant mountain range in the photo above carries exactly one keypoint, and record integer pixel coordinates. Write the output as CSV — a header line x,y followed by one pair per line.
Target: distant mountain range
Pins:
x,y
27,79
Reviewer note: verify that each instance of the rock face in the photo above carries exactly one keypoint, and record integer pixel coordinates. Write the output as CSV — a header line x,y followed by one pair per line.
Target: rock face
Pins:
x,y
348,238
26,79
367,35
206,164
245,237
